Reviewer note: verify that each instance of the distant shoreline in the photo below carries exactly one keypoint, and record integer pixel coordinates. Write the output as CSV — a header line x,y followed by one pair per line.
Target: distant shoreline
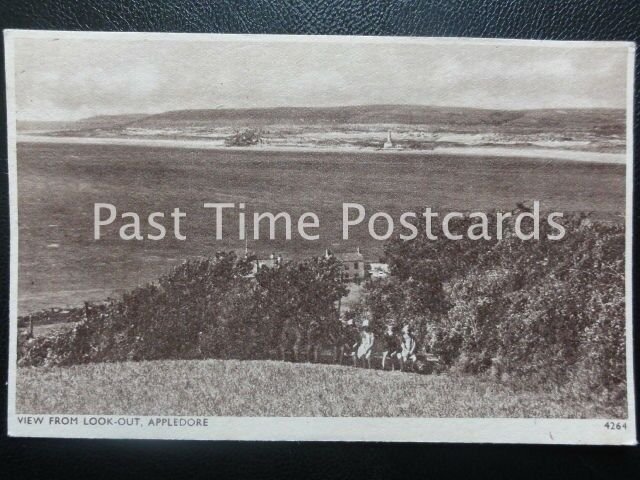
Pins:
x,y
539,153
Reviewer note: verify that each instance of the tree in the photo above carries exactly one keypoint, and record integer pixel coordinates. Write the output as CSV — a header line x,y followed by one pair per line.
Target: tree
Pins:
x,y
244,138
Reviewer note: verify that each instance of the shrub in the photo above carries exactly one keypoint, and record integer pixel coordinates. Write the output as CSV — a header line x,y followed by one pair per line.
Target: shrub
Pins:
x,y
243,138
538,312
204,308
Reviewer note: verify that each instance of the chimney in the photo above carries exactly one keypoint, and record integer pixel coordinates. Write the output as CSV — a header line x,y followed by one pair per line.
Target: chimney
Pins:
x,y
358,249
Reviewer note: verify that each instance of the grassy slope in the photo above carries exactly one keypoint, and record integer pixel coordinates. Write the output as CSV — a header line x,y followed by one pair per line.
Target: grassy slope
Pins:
x,y
255,388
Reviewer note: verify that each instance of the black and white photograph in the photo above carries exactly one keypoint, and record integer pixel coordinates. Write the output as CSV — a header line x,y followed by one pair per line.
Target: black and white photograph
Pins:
x,y
280,237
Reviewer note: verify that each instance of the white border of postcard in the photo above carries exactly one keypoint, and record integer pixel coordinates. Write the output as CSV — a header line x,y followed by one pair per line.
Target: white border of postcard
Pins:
x,y
483,430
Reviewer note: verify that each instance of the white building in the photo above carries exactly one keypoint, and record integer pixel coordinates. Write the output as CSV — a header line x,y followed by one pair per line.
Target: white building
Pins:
x,y
388,143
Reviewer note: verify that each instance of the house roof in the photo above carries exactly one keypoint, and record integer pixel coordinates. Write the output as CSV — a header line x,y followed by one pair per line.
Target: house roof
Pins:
x,y
267,261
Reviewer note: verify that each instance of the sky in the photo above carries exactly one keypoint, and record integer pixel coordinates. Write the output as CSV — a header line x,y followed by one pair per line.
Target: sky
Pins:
x,y
72,78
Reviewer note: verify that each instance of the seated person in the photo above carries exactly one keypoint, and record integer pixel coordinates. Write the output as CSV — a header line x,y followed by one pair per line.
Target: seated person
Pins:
x,y
408,347
365,346
349,341
391,345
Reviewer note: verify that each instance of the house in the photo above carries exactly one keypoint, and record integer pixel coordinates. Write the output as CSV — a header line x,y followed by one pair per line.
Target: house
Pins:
x,y
272,261
379,270
353,264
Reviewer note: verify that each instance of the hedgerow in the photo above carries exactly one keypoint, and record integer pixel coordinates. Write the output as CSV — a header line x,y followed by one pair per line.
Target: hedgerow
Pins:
x,y
544,312
204,308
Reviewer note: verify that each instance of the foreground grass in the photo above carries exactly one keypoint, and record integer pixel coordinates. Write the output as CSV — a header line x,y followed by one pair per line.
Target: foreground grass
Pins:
x,y
264,388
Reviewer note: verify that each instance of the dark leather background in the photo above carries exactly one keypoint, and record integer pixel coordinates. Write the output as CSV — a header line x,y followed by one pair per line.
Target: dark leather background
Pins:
x,y
543,19
566,19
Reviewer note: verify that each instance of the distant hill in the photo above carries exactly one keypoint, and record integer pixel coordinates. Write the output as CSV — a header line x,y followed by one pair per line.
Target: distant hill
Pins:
x,y
386,114
606,121
91,123
36,126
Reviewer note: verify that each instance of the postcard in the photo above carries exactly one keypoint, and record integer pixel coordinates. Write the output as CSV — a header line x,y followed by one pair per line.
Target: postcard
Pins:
x,y
279,237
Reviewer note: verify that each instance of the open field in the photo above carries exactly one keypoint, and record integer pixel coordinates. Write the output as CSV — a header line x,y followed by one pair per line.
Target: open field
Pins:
x,y
61,264
264,388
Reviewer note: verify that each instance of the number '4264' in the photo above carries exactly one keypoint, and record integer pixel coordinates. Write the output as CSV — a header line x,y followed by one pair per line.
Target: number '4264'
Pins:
x,y
615,425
